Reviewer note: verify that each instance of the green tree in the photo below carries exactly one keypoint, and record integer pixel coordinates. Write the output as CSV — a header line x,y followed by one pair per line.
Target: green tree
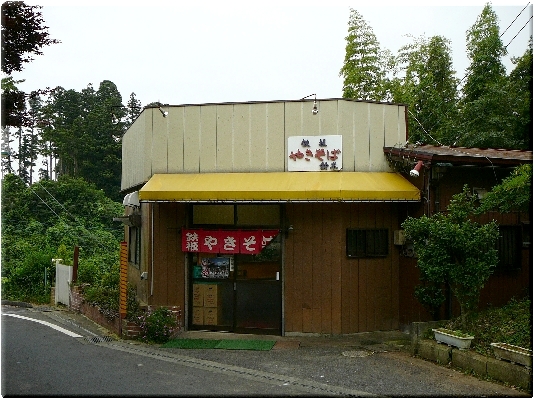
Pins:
x,y
514,193
454,250
429,87
365,64
133,109
521,94
486,106
83,137
23,34
41,219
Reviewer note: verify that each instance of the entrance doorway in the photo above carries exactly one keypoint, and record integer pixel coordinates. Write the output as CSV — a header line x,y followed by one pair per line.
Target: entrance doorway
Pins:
x,y
237,293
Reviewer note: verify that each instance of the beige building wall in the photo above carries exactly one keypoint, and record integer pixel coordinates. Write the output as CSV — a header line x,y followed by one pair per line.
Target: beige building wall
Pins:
x,y
253,137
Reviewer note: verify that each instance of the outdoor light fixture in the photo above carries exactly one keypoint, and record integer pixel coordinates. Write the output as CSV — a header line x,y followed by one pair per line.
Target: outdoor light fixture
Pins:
x,y
315,107
415,172
164,113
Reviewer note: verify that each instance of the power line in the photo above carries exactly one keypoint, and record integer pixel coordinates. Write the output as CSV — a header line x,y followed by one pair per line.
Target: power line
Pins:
x,y
515,20
530,18
466,74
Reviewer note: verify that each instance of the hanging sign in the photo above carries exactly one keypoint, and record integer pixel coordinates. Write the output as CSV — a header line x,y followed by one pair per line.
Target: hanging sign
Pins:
x,y
226,241
315,153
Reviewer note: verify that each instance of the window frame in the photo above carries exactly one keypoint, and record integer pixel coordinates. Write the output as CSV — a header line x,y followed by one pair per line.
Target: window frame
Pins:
x,y
367,242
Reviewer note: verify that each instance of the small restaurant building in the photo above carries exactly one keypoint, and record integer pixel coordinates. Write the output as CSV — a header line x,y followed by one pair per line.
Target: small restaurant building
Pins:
x,y
269,217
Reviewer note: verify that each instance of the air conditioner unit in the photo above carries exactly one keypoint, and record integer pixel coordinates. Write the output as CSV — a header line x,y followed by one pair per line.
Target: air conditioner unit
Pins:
x,y
399,238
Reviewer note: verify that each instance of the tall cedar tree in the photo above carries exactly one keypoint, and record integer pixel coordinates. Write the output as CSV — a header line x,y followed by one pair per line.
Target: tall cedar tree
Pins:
x,y
364,63
428,87
487,106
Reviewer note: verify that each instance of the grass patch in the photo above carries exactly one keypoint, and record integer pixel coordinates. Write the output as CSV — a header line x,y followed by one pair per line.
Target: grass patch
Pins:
x,y
237,344
510,324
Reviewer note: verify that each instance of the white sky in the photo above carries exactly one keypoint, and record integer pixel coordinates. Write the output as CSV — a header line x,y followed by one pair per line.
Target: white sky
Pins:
x,y
231,51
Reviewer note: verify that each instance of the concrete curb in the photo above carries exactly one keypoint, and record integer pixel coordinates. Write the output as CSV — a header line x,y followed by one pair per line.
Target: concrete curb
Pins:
x,y
477,364
16,304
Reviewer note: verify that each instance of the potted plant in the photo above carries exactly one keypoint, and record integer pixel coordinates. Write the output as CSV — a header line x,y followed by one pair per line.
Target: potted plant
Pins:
x,y
453,338
515,354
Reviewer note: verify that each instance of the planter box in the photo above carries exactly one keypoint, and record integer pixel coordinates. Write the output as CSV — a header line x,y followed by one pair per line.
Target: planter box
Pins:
x,y
515,354
451,339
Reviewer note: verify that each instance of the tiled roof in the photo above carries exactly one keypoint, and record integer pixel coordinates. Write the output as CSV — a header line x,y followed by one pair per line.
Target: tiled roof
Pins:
x,y
461,155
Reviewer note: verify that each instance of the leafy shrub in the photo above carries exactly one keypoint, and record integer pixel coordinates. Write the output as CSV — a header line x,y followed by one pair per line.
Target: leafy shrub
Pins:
x,y
104,293
31,280
511,324
157,326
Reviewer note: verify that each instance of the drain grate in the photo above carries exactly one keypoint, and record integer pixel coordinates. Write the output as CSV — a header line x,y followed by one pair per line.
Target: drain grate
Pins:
x,y
357,353
98,339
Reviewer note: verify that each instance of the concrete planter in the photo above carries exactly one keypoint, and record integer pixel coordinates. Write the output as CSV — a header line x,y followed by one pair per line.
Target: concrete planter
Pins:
x,y
515,354
451,339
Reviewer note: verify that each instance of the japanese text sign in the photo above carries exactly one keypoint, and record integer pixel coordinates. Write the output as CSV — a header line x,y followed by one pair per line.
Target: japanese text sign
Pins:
x,y
226,241
315,153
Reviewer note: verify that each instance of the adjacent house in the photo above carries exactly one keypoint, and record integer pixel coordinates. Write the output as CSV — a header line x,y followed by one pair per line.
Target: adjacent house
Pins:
x,y
443,171
284,216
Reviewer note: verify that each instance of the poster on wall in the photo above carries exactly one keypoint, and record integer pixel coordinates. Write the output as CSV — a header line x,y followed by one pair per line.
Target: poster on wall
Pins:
x,y
215,267
315,153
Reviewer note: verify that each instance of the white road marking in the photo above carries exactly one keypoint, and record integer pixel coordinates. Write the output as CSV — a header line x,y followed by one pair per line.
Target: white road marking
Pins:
x,y
53,326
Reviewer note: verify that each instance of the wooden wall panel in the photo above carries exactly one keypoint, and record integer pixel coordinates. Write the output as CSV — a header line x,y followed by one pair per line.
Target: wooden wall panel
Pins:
x,y
326,292
352,297
169,279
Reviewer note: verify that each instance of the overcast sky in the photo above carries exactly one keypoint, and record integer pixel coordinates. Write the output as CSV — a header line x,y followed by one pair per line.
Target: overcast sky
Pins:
x,y
188,52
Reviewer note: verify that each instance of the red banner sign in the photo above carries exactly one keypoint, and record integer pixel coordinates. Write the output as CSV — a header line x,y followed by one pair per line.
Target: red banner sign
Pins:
x,y
226,242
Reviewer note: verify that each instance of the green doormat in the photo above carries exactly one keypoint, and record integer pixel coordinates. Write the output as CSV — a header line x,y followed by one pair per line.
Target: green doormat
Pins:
x,y
246,344
227,344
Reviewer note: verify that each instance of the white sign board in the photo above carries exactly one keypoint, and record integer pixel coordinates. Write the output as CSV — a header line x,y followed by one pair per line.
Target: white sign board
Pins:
x,y
315,153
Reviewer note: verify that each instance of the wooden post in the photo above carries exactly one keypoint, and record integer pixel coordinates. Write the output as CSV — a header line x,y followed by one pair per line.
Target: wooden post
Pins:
x,y
123,283
75,264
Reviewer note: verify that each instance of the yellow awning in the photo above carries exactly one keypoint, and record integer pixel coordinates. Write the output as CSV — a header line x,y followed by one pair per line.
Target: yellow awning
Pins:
x,y
279,187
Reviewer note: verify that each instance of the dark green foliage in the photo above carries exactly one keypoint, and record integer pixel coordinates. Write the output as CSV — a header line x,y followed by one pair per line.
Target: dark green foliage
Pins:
x,y
429,88
83,136
514,193
23,34
46,220
364,68
486,109
104,290
31,280
453,250
157,326
510,324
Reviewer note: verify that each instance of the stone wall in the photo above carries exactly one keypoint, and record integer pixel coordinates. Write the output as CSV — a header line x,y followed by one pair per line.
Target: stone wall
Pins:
x,y
469,361
125,329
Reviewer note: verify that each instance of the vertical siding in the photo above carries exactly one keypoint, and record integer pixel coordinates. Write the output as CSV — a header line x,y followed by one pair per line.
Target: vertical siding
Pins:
x,y
159,148
241,138
192,147
175,140
252,137
275,137
328,293
169,273
225,138
208,139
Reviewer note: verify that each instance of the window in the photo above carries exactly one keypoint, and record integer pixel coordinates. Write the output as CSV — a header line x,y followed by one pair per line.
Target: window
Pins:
x,y
362,243
134,245
509,247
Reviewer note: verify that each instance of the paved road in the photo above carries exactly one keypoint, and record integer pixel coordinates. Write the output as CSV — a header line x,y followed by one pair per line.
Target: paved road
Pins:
x,y
39,360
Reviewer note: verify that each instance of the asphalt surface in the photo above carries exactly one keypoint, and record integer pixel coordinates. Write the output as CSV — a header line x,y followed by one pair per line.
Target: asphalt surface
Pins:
x,y
358,365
